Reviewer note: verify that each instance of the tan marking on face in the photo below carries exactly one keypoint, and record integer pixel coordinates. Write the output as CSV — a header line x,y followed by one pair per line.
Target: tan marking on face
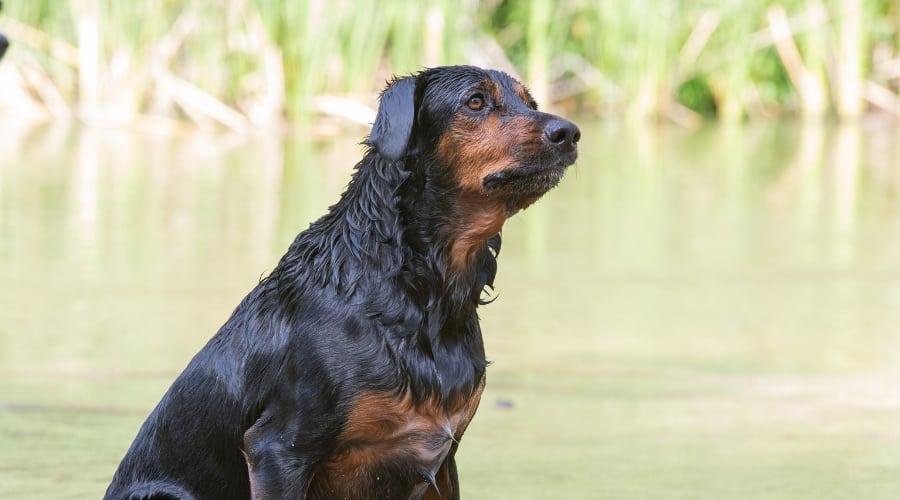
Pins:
x,y
522,92
491,88
474,148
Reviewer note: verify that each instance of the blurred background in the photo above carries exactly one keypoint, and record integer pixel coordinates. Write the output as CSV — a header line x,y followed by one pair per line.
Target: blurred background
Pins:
x,y
707,307
258,63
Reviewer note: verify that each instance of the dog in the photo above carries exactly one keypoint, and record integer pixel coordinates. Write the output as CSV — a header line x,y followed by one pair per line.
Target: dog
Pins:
x,y
353,369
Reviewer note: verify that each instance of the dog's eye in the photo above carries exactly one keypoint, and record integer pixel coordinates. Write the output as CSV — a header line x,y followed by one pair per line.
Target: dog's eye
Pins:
x,y
476,102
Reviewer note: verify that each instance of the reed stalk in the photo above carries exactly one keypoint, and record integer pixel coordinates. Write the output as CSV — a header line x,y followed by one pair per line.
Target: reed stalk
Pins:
x,y
249,64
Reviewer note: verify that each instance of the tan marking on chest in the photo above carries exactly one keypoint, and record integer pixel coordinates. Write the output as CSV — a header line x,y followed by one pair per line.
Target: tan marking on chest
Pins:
x,y
480,219
388,434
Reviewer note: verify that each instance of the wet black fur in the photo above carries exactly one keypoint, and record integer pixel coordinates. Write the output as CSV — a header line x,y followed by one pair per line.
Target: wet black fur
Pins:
x,y
362,300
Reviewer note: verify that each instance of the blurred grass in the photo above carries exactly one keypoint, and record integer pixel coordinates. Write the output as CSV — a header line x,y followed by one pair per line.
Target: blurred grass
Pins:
x,y
267,60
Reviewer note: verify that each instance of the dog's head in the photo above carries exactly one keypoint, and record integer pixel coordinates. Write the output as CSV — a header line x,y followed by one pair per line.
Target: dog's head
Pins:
x,y
483,126
476,138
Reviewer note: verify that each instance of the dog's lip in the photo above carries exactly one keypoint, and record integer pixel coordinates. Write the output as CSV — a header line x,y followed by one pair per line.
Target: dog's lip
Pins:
x,y
494,180
536,168
528,170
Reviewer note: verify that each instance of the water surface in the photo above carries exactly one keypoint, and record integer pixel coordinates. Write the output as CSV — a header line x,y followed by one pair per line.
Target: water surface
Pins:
x,y
710,314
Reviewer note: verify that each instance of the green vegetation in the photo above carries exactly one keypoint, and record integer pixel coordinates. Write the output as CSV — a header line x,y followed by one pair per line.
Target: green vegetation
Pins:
x,y
249,63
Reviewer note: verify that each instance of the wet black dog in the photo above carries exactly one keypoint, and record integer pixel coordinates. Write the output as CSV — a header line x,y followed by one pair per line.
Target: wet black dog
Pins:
x,y
353,370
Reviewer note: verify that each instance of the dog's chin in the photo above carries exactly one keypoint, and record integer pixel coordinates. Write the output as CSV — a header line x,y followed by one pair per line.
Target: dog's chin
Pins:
x,y
526,181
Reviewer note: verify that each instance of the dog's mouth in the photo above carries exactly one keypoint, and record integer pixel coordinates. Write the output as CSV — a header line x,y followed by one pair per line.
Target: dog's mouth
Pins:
x,y
529,179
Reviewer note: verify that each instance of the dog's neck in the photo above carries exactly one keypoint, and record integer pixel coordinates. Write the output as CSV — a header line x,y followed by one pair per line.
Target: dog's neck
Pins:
x,y
455,234
389,229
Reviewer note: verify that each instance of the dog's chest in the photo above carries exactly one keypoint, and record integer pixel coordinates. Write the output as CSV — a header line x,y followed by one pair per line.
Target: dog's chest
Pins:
x,y
393,448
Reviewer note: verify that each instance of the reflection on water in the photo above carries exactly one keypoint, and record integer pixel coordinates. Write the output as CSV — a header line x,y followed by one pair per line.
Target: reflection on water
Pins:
x,y
689,315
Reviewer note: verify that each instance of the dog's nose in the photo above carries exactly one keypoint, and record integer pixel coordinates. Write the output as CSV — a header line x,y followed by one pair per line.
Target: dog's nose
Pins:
x,y
3,45
561,132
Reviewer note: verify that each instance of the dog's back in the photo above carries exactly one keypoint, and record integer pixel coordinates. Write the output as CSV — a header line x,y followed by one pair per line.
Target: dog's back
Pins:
x,y
190,445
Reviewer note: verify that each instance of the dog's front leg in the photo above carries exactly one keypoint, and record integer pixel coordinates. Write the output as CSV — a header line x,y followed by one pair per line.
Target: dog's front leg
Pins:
x,y
279,466
276,476
445,485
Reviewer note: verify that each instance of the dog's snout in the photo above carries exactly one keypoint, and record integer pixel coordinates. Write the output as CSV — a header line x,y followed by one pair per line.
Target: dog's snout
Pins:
x,y
561,132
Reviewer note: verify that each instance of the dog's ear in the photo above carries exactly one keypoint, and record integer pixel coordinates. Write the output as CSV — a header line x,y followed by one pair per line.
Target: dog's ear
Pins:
x,y
394,121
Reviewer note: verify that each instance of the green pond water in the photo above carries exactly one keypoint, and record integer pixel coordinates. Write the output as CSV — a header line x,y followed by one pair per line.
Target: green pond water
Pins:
x,y
690,315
